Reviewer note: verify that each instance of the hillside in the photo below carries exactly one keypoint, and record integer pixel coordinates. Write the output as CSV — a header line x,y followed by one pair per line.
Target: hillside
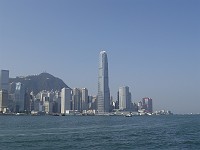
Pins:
x,y
37,83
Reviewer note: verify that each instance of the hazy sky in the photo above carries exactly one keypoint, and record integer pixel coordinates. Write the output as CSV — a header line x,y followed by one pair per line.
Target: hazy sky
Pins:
x,y
153,46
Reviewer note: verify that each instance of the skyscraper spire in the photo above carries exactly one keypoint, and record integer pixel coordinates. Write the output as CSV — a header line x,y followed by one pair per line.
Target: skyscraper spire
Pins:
x,y
103,84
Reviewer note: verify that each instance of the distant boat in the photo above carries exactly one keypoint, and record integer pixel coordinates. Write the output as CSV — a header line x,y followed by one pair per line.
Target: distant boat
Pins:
x,y
20,114
128,115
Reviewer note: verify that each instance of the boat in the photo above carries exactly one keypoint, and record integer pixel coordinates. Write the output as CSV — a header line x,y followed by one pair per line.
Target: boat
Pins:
x,y
128,115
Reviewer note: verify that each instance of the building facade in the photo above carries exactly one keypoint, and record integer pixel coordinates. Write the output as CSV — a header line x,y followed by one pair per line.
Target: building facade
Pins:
x,y
66,97
4,80
19,97
84,99
147,104
76,100
124,98
3,100
103,104
27,101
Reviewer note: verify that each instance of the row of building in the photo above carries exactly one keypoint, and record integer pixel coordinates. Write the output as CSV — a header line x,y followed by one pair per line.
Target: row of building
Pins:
x,y
68,100
65,101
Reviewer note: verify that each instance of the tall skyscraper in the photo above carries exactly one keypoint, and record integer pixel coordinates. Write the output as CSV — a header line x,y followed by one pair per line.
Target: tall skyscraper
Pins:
x,y
66,98
84,99
124,98
103,104
76,99
4,80
19,97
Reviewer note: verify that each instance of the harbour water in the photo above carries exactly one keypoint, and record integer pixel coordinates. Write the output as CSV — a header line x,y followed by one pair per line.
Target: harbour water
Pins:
x,y
99,132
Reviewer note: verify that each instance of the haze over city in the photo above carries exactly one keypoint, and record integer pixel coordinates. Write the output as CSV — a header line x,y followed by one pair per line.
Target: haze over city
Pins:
x,y
153,46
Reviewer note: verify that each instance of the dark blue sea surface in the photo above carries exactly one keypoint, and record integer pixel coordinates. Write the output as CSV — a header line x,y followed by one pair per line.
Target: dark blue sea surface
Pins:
x,y
99,132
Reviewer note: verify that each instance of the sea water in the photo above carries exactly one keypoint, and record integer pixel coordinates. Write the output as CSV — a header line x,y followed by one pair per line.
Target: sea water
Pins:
x,y
99,132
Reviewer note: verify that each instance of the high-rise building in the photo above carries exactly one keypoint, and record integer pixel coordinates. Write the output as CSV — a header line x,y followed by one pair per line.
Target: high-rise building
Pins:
x,y
3,100
66,98
48,106
27,101
124,98
4,80
147,104
57,102
84,99
103,84
139,105
19,97
92,102
76,99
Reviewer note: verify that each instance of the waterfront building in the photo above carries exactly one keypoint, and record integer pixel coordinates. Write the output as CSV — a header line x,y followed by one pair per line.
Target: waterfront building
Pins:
x,y
124,98
38,106
117,102
92,103
32,99
84,98
19,97
4,80
147,104
3,100
103,99
48,107
27,101
66,98
139,105
51,95
76,100
135,107
10,104
57,102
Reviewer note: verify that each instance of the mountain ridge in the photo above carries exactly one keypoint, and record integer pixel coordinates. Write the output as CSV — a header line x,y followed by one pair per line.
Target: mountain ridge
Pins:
x,y
37,83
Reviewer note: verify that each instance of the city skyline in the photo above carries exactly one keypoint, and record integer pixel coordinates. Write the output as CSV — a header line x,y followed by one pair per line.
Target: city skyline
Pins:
x,y
153,46
19,98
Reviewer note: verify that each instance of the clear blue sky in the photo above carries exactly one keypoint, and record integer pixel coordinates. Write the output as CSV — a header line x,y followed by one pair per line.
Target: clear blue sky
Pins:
x,y
153,46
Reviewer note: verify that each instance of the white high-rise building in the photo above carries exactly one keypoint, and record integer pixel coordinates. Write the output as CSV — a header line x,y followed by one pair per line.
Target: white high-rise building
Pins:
x,y
124,98
4,80
66,96
103,84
